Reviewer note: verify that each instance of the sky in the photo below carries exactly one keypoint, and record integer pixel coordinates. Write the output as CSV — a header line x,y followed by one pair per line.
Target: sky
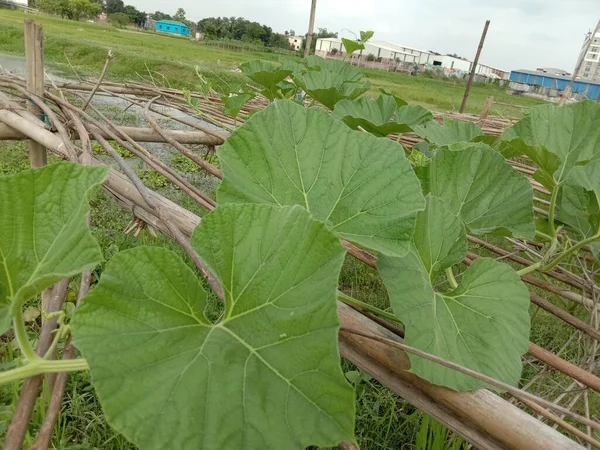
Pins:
x,y
523,34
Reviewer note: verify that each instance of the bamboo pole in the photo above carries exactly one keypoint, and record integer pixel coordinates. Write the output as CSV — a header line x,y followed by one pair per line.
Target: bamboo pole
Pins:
x,y
474,68
34,67
311,28
482,417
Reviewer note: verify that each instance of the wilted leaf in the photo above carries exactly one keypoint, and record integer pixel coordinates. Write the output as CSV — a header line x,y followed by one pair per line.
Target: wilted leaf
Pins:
x,y
479,185
463,325
169,378
44,235
290,155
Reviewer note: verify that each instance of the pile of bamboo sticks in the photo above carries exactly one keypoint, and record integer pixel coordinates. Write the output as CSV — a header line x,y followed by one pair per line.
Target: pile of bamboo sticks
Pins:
x,y
486,420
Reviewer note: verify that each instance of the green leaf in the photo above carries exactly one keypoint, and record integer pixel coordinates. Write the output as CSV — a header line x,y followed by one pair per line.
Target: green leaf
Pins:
x,y
362,186
479,185
440,237
570,132
345,71
44,235
398,100
373,115
366,35
452,132
352,46
463,325
269,369
264,73
412,115
233,104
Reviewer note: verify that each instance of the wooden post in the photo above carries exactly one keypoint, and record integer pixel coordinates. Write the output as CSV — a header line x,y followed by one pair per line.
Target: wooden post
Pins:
x,y
34,68
474,68
486,108
311,28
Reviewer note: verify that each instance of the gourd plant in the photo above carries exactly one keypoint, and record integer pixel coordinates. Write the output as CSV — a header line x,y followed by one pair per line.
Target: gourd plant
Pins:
x,y
297,181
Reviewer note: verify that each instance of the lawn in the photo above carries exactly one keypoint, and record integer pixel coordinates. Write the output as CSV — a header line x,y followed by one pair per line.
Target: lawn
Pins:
x,y
85,45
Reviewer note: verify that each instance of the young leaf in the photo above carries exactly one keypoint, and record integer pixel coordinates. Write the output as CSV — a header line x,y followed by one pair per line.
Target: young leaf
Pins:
x,y
267,375
362,186
452,132
570,132
265,73
479,185
440,237
352,46
366,35
233,104
463,325
44,235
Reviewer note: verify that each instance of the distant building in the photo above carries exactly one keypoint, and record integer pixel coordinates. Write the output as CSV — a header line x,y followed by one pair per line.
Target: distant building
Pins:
x,y
296,42
590,67
554,71
552,85
172,26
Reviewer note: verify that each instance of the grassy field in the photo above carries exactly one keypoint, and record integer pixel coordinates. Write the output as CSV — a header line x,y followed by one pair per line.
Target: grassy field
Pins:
x,y
84,46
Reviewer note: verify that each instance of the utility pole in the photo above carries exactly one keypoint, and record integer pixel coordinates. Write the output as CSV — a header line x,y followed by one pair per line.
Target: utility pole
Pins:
x,y
567,92
311,28
474,68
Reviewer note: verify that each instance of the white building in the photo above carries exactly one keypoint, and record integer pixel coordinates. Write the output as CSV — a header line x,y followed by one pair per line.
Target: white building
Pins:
x,y
326,45
590,66
296,42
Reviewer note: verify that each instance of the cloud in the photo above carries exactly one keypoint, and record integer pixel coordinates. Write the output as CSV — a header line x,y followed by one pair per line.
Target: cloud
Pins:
x,y
523,34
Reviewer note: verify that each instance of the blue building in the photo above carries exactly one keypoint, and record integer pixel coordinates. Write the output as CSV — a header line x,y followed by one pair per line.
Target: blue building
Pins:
x,y
547,83
172,26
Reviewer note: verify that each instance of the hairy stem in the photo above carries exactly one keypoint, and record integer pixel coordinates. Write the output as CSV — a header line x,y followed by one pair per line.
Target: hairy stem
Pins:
x,y
41,366
21,335
362,305
529,269
451,279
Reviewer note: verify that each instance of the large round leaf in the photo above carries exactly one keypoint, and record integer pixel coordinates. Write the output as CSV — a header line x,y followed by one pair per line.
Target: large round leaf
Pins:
x,y
570,132
452,132
483,324
328,88
44,235
479,185
291,155
267,375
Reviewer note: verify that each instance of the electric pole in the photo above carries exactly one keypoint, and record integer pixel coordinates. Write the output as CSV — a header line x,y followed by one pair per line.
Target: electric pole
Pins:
x,y
567,92
311,28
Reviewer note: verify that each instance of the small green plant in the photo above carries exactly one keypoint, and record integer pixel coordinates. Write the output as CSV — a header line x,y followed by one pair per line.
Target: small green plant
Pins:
x,y
184,164
97,149
152,178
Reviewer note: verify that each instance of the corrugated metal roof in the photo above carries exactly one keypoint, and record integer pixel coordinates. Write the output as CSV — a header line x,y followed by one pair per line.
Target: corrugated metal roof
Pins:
x,y
172,22
557,77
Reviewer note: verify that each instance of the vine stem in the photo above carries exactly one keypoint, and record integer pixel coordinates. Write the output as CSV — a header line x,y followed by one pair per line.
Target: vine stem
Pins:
x,y
529,269
570,251
22,338
552,210
350,301
451,279
41,366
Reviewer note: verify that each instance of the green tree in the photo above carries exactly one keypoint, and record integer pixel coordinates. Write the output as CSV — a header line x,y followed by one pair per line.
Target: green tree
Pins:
x,y
135,16
83,9
119,19
158,15
180,15
114,6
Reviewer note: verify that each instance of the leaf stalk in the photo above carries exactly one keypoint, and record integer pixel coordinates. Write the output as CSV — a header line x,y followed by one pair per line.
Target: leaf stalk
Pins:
x,y
41,366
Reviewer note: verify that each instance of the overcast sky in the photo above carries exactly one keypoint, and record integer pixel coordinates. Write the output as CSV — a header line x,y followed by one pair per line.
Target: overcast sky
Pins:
x,y
523,34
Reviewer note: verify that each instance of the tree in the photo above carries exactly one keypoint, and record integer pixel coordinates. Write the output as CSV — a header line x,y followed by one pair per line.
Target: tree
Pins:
x,y
119,19
158,15
135,16
180,15
83,9
58,7
322,33
292,33
114,6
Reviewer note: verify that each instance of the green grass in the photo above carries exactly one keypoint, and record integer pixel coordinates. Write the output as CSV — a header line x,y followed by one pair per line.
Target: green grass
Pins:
x,y
142,55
